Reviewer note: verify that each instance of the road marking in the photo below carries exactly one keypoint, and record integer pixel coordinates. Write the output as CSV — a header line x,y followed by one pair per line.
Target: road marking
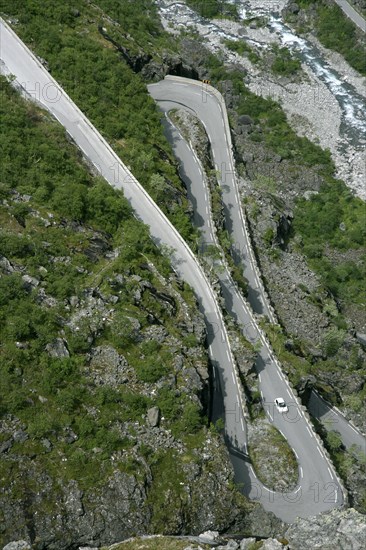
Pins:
x,y
262,395
301,473
233,377
259,376
281,432
330,473
242,425
311,435
297,490
289,394
269,414
295,453
336,495
206,209
228,355
319,451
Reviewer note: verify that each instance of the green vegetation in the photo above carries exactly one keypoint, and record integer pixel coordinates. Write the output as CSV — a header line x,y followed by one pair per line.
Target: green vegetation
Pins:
x,y
337,32
242,48
108,87
158,543
341,219
169,479
52,213
272,128
273,459
284,63
214,8
347,461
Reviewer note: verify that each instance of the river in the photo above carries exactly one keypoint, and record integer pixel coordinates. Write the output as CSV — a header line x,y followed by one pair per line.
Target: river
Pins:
x,y
329,105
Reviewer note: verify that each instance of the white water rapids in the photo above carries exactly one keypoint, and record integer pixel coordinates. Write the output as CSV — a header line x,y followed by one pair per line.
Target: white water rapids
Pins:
x,y
328,106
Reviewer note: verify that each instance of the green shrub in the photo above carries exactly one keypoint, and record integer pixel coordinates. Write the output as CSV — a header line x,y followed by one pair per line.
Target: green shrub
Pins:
x,y
337,32
151,369
241,47
213,8
340,216
190,421
284,63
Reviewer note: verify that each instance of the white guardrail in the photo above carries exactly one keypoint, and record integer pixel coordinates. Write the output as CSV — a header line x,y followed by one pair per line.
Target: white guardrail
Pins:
x,y
263,337
131,179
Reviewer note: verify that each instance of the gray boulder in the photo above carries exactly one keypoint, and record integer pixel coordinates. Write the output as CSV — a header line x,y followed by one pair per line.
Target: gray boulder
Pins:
x,y
245,120
153,416
107,366
30,282
17,545
245,544
6,266
209,536
293,8
58,348
337,530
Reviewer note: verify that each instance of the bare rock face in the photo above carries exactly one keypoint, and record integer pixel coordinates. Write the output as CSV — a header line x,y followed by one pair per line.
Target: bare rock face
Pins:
x,y
337,530
17,545
153,416
58,348
107,366
5,266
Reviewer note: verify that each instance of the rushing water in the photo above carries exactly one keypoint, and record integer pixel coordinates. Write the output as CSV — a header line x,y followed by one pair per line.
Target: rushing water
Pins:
x,y
352,104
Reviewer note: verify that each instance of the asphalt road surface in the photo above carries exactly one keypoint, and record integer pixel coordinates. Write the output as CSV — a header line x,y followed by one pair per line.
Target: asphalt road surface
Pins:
x,y
332,419
318,488
174,93
352,14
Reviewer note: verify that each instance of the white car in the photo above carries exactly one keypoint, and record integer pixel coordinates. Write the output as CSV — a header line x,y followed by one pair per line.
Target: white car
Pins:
x,y
281,405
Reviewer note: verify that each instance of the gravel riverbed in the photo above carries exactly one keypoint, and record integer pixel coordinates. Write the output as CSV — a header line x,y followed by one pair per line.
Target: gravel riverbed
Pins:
x,y
312,109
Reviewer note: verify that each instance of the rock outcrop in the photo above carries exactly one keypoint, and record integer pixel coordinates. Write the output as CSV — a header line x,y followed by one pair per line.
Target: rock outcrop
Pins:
x,y
337,530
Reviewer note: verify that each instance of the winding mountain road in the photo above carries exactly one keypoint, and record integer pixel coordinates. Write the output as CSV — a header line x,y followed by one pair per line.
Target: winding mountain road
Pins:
x,y
195,97
318,488
352,14
173,93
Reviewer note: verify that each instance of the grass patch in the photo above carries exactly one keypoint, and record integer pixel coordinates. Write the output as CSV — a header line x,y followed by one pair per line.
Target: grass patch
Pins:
x,y
158,543
337,32
273,459
285,64
108,88
169,479
341,217
214,8
242,48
